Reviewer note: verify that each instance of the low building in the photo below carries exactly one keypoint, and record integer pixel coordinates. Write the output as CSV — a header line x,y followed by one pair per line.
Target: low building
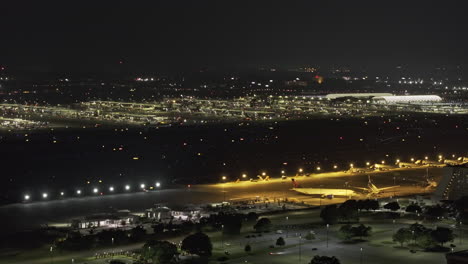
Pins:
x,y
160,213
111,220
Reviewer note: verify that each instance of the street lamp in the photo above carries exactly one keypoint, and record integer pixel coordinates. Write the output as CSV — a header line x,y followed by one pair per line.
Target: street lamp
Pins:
x,y
287,227
318,168
95,190
62,193
27,197
328,226
158,184
300,170
44,195
78,192
335,166
224,191
127,187
360,257
111,189
142,186
244,175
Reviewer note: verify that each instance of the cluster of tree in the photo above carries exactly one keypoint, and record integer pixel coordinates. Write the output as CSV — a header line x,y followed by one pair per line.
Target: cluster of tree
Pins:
x,y
280,241
198,244
413,208
423,237
324,260
348,232
229,223
77,241
155,251
347,212
393,206
263,225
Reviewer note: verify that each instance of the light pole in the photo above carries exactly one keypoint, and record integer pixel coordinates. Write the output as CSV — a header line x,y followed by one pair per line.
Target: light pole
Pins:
x,y
222,235
300,253
51,254
287,227
327,233
460,232
393,229
112,257
224,191
360,257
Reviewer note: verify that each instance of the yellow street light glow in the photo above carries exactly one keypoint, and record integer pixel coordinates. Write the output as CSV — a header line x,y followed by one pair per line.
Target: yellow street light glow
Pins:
x,y
334,166
367,163
224,178
397,160
318,168
282,172
263,173
440,156
412,159
383,161
426,157
351,165
300,170
244,175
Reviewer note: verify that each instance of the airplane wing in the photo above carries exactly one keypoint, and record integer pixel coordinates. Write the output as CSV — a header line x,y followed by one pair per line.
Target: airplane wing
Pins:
x,y
362,189
388,188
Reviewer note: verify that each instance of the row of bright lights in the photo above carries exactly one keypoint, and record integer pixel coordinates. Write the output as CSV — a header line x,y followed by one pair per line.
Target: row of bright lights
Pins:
x,y
27,197
351,165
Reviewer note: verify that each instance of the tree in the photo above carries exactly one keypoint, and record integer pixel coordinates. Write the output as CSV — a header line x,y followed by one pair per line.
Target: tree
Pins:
x,y
413,208
198,243
310,236
346,232
252,216
425,239
442,235
403,235
137,233
159,252
324,260
330,214
394,206
435,211
280,242
362,231
232,225
348,210
247,248
262,225
374,205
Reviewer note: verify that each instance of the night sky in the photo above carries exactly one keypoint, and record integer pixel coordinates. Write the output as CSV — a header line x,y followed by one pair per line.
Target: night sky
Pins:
x,y
48,36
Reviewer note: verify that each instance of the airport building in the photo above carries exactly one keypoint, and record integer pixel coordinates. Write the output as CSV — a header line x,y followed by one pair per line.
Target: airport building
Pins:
x,y
407,99
454,183
356,95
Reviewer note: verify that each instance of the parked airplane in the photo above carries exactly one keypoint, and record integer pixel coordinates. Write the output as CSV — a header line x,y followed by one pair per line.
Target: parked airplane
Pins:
x,y
374,190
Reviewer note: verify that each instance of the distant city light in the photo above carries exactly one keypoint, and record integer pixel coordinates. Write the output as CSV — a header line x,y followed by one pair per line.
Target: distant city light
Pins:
x,y
158,184
127,187
142,186
62,193
27,197
44,195
78,191
95,190
111,189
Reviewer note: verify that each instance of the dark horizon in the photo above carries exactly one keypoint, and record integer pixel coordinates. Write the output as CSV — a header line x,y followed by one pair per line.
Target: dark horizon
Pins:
x,y
114,37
